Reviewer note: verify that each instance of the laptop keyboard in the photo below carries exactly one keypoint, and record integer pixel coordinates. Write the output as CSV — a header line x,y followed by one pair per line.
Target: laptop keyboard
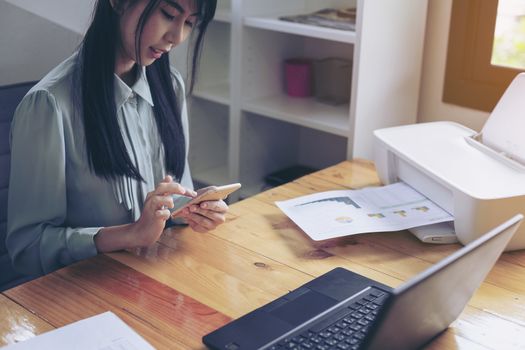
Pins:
x,y
343,330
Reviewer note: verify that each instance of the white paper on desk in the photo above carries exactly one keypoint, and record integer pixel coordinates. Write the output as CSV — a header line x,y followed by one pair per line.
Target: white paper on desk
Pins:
x,y
374,209
102,332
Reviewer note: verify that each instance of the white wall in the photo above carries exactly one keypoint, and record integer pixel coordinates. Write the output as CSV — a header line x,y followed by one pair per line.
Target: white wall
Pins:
x,y
30,45
70,14
431,107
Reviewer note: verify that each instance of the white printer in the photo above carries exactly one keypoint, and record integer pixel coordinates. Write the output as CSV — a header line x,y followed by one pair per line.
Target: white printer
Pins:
x,y
479,178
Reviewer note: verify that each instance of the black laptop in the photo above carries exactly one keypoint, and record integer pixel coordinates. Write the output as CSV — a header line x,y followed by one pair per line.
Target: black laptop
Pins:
x,y
343,310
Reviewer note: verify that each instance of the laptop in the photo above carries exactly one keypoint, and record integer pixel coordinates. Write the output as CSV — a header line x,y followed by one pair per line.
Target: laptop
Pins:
x,y
344,310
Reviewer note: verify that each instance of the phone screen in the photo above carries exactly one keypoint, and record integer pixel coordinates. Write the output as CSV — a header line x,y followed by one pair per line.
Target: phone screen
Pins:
x,y
179,201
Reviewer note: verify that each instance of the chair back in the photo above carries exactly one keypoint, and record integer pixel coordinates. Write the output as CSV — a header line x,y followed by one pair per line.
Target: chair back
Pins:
x,y
10,97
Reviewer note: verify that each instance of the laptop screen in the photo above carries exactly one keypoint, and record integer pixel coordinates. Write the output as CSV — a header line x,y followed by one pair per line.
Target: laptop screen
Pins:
x,y
426,305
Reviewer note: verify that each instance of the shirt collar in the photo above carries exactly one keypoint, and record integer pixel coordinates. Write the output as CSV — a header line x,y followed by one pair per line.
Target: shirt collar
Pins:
x,y
141,87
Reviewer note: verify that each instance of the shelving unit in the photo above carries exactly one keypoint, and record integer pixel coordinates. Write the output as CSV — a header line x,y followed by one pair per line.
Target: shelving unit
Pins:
x,y
223,15
275,24
244,126
305,112
208,154
217,92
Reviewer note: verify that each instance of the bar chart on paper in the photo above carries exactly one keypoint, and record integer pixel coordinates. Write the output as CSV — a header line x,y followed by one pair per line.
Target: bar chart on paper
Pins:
x,y
333,214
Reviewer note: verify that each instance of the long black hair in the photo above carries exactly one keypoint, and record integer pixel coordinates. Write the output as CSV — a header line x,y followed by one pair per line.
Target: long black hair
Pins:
x,y
106,150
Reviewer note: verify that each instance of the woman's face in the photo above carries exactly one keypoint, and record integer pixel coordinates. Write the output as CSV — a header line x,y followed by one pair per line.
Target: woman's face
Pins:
x,y
169,24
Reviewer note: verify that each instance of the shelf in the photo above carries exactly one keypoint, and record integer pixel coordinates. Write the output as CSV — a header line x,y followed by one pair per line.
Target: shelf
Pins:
x,y
303,111
223,15
277,25
217,92
243,125
212,176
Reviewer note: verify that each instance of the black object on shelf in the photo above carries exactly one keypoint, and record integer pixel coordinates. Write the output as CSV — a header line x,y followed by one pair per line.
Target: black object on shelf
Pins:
x,y
288,174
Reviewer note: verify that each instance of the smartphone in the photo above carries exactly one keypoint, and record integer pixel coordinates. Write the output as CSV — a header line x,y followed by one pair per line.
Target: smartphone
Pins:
x,y
211,193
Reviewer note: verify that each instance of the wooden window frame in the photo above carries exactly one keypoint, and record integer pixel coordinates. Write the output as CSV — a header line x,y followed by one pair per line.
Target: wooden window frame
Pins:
x,y
470,78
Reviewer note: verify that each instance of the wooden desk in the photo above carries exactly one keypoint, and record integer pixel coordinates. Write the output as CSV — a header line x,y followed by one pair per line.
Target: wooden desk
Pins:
x,y
189,283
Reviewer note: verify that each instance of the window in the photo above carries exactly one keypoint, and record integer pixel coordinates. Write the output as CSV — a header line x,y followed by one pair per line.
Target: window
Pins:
x,y
483,57
509,35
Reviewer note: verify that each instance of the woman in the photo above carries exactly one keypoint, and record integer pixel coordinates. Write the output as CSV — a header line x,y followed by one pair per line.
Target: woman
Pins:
x,y
94,141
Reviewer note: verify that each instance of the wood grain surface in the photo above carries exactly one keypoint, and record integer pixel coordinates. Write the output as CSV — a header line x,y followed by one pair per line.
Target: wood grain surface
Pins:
x,y
189,283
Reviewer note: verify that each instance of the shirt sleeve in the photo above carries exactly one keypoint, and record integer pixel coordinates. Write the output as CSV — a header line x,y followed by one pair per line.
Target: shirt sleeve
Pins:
x,y
38,239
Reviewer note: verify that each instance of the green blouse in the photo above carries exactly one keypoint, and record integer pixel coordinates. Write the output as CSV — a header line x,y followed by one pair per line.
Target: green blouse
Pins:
x,y
56,204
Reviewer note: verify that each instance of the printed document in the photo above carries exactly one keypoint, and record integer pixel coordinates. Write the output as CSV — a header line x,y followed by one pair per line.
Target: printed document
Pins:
x,y
374,209
102,332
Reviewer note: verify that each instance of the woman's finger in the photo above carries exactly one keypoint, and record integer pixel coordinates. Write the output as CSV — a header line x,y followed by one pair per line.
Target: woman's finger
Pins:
x,y
163,214
204,221
190,193
169,187
216,216
196,226
218,206
160,202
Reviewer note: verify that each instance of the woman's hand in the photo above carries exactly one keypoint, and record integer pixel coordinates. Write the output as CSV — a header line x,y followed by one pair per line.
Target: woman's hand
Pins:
x,y
205,216
148,228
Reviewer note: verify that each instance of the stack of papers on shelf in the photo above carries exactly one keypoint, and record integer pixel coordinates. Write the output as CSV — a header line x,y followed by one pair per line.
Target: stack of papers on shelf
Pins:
x,y
330,17
102,332
334,214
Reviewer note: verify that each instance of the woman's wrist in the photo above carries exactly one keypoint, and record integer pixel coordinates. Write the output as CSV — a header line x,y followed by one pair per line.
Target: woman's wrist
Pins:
x,y
113,238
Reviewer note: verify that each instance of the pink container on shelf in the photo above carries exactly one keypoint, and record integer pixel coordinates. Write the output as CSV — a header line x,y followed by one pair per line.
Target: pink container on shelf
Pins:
x,y
298,77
